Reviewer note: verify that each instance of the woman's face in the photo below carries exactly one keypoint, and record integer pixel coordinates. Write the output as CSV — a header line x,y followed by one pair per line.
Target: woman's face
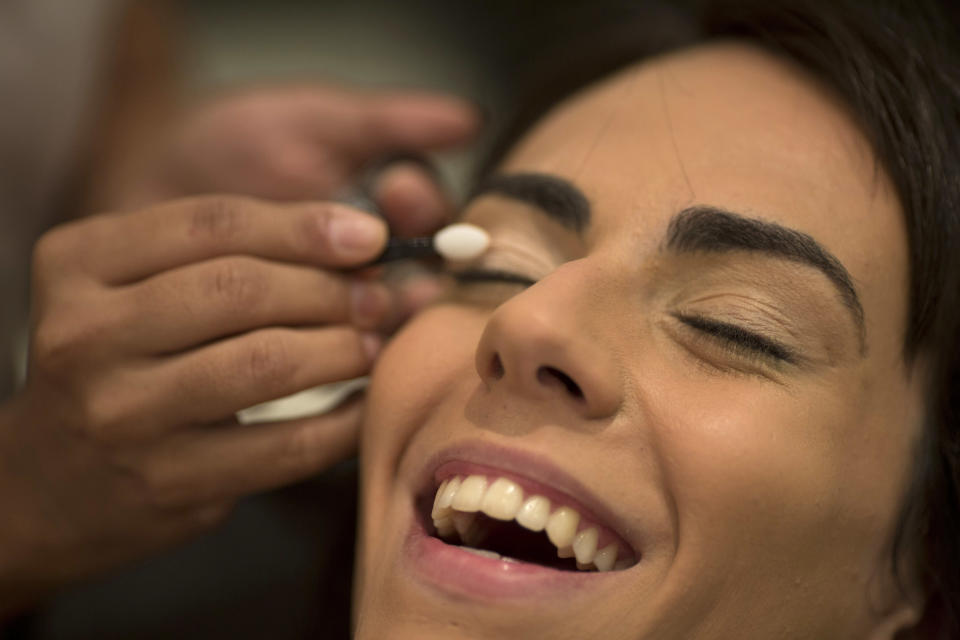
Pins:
x,y
705,370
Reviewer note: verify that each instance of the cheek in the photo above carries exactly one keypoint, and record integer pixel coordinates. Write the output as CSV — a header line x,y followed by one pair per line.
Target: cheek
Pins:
x,y
739,476
418,368
765,489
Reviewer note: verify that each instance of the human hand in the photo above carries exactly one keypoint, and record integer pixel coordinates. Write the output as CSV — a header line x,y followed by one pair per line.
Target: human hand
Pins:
x,y
150,330
290,143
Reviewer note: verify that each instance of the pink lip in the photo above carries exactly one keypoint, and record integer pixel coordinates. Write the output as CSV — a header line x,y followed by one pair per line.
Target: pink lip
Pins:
x,y
461,572
464,574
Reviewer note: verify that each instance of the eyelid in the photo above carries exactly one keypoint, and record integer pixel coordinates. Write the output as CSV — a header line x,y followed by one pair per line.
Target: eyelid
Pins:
x,y
508,256
468,276
751,341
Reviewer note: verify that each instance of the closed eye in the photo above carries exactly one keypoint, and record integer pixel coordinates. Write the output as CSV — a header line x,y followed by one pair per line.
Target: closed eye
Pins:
x,y
738,339
472,276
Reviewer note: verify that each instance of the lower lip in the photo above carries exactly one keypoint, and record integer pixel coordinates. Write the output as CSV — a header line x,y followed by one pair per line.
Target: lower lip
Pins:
x,y
465,574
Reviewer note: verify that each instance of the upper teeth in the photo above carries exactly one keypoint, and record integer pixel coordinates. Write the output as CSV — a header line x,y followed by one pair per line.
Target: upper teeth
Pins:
x,y
459,498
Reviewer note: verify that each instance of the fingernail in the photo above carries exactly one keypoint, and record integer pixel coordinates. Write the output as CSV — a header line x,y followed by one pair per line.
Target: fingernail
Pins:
x,y
369,302
371,343
353,232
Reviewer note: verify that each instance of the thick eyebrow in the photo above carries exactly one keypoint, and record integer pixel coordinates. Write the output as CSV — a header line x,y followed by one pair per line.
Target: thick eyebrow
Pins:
x,y
553,195
695,229
711,229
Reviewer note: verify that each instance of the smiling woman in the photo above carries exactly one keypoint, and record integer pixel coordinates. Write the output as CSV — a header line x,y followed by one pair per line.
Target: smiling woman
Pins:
x,y
700,385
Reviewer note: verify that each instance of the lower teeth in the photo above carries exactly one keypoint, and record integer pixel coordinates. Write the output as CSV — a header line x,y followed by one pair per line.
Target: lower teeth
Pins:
x,y
484,553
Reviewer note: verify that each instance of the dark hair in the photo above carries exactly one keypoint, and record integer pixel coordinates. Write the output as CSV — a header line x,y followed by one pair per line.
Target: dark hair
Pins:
x,y
896,65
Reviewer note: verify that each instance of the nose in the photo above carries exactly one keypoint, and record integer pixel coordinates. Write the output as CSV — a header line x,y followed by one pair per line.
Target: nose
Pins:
x,y
545,345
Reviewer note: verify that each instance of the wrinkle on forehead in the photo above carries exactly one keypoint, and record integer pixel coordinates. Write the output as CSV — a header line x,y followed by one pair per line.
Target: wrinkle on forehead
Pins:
x,y
733,126
618,105
673,138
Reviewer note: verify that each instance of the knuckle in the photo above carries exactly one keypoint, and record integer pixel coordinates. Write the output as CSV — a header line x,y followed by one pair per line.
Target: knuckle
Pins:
x,y
300,452
218,218
50,249
237,283
268,360
315,226
161,491
47,347
102,417
162,494
61,345
54,349
332,294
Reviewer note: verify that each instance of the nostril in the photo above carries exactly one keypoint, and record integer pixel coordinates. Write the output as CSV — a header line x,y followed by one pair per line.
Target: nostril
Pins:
x,y
547,375
496,367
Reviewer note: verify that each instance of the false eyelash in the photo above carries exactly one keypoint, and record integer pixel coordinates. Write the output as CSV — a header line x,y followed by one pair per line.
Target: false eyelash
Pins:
x,y
739,339
469,276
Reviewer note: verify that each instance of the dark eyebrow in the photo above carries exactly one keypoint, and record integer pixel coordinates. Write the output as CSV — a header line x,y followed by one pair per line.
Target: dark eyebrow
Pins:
x,y
710,229
553,195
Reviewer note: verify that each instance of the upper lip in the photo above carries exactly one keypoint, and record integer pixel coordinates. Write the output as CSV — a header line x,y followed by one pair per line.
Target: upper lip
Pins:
x,y
536,467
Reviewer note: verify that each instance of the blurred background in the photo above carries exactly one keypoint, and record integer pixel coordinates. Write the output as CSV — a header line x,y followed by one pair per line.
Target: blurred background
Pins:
x,y
490,52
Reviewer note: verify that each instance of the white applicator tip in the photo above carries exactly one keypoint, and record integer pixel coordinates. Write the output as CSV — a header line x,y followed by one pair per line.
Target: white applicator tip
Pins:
x,y
461,241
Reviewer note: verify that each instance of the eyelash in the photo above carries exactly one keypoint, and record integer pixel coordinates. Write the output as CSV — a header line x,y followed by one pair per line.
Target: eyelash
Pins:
x,y
738,339
473,276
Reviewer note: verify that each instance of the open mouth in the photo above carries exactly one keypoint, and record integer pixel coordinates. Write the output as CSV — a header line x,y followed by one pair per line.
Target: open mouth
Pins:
x,y
514,520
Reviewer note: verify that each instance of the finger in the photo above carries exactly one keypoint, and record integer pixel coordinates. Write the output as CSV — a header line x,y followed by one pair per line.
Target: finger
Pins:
x,y
411,292
289,170
411,199
214,382
227,462
366,125
187,306
416,292
123,248
417,122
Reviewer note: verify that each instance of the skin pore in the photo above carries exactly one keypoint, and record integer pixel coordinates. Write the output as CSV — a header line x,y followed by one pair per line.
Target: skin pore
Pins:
x,y
721,408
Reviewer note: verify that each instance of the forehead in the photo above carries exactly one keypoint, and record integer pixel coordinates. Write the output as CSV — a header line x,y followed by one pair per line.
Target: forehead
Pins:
x,y
730,125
